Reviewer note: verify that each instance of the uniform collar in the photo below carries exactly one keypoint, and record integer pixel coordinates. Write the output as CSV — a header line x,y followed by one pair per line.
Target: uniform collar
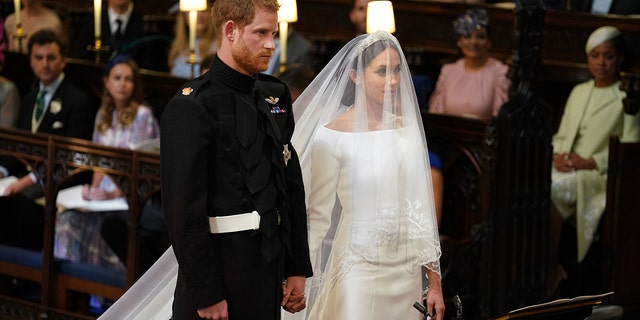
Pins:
x,y
230,77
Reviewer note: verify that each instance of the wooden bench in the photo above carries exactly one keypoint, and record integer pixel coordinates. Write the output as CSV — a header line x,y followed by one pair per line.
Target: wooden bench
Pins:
x,y
621,221
65,285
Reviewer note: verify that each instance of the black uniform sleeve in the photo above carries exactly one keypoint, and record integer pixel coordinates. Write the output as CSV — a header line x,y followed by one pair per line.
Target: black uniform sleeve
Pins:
x,y
301,263
186,138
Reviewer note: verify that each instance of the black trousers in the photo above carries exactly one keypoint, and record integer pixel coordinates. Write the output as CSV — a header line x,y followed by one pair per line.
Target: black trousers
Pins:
x,y
253,286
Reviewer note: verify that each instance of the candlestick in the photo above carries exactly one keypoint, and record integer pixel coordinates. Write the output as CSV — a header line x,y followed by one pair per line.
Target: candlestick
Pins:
x,y
16,5
192,6
18,36
288,12
98,48
284,32
193,19
97,14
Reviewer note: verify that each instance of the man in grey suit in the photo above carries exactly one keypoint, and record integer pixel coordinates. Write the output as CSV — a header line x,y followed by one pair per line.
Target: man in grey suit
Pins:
x,y
54,106
299,51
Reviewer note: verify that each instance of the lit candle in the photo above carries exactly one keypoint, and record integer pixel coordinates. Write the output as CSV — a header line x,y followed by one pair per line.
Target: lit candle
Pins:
x,y
193,18
288,12
284,26
97,14
16,5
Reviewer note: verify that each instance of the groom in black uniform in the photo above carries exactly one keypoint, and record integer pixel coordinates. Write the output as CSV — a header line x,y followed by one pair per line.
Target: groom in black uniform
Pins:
x,y
231,181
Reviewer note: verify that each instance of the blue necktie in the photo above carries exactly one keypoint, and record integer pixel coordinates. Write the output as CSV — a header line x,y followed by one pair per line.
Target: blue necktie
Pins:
x,y
40,104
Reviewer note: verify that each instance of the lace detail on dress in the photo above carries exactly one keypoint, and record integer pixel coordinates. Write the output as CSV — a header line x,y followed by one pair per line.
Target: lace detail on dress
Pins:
x,y
394,224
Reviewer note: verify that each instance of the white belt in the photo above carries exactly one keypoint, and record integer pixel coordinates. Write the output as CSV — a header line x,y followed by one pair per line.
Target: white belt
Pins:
x,y
236,222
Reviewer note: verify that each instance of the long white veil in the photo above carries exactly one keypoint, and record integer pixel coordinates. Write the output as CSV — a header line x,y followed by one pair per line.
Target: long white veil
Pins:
x,y
151,297
397,206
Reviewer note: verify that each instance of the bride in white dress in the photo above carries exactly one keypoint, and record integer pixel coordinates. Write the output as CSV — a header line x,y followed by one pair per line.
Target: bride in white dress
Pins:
x,y
372,225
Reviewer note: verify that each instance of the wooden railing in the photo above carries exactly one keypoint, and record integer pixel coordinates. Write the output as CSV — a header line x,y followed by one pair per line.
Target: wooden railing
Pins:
x,y
136,172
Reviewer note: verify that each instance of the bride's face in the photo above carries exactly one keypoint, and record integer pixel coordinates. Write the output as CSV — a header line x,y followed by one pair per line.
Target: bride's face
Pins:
x,y
381,77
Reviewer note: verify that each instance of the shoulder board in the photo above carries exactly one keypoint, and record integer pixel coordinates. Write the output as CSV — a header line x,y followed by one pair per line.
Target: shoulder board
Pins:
x,y
192,87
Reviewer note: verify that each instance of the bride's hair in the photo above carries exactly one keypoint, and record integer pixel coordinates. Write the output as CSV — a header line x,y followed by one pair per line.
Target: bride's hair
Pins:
x,y
369,53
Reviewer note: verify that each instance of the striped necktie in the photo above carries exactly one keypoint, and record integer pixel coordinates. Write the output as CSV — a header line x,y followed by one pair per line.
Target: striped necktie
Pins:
x,y
40,104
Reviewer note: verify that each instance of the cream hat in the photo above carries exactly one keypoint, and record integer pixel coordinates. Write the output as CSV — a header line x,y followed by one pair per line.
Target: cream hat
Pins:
x,y
600,36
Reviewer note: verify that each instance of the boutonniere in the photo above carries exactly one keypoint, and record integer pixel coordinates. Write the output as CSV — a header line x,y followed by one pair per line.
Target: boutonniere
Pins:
x,y
55,106
274,108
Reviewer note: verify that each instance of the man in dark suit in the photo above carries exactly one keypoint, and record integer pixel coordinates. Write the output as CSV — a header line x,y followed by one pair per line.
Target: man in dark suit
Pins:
x,y
299,51
54,106
622,7
232,188
122,32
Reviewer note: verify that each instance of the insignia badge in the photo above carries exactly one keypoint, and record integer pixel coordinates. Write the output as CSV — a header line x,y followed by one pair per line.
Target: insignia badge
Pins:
x,y
187,91
286,153
277,109
272,100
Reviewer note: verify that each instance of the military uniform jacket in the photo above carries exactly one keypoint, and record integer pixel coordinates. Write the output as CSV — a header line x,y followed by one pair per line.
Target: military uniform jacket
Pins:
x,y
225,150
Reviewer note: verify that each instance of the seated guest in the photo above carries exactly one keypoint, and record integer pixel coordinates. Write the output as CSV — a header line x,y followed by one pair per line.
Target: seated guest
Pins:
x,y
9,99
299,51
154,238
54,106
121,31
122,121
205,44
607,6
297,77
593,113
206,63
358,15
35,16
476,85
437,182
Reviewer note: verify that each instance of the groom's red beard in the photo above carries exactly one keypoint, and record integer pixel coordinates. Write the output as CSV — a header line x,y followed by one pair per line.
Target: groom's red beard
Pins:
x,y
253,62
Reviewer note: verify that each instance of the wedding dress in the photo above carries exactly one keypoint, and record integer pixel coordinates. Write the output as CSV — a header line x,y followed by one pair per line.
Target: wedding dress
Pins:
x,y
364,158
372,271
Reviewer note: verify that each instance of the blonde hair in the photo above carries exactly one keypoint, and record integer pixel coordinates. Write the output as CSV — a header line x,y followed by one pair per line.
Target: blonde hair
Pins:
x,y
180,44
107,106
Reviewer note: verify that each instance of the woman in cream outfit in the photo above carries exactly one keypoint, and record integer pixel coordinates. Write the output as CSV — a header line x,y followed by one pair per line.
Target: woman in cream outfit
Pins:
x,y
592,114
